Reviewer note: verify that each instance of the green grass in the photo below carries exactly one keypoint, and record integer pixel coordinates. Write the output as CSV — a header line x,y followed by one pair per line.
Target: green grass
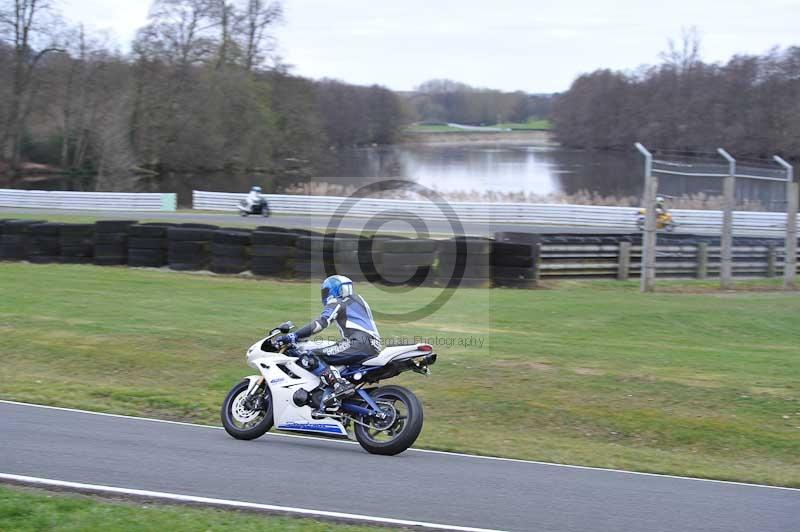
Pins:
x,y
29,510
702,384
142,217
434,128
515,126
530,124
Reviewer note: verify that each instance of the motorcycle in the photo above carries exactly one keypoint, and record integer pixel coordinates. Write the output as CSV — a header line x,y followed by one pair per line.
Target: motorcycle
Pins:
x,y
383,419
259,207
663,221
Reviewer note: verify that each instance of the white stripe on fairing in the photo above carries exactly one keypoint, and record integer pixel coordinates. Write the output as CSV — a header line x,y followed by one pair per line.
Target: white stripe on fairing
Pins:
x,y
431,451
37,481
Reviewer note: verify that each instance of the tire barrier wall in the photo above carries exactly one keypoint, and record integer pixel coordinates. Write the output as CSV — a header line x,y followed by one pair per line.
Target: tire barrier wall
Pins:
x,y
106,201
624,218
514,260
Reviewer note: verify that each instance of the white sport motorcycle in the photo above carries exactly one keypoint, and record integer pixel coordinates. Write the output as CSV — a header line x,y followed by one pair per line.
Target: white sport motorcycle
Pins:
x,y
384,420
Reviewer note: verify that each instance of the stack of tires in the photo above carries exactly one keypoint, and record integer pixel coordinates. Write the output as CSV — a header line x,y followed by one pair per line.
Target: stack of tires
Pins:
x,y
15,240
230,251
352,257
189,247
45,244
464,262
111,242
77,243
147,245
272,252
514,260
313,257
406,261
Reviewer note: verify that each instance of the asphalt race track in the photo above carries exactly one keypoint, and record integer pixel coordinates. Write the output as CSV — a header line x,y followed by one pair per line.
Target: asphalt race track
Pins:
x,y
296,473
353,223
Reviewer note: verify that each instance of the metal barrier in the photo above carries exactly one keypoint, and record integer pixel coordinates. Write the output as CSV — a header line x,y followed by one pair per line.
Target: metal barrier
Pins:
x,y
111,201
623,261
621,218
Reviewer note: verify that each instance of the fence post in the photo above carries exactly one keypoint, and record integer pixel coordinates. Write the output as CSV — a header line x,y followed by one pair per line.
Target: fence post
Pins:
x,y
702,260
648,275
624,264
792,198
729,195
537,262
771,256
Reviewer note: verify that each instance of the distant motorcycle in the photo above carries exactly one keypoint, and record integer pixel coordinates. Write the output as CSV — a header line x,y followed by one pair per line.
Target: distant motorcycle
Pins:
x,y
663,221
260,207
383,419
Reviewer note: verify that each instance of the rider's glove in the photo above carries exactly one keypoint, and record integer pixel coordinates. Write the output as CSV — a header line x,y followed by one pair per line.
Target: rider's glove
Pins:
x,y
285,339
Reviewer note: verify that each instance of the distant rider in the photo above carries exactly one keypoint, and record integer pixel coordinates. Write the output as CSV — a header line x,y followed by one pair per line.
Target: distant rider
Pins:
x,y
254,197
360,339
661,207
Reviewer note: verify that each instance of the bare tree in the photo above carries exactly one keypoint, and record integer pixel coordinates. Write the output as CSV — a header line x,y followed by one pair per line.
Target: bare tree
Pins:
x,y
24,24
255,18
683,54
180,31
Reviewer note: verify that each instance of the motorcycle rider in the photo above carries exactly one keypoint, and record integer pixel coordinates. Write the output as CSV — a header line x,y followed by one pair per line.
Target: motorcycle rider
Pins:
x,y
253,198
360,339
661,207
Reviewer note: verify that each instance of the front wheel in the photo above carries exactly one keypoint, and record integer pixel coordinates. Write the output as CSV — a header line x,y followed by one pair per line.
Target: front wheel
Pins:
x,y
246,418
399,429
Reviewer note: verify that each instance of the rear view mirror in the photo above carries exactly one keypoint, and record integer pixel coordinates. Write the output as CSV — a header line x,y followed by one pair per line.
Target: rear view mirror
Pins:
x,y
286,327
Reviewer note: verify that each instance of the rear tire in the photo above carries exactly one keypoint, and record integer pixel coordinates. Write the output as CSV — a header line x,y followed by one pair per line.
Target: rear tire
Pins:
x,y
408,423
232,407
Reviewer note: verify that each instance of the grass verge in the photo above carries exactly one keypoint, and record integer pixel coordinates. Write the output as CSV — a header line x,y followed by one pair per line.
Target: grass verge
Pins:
x,y
536,125
701,384
26,509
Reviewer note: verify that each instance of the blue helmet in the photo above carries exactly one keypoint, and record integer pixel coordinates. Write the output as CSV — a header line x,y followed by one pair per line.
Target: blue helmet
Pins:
x,y
336,286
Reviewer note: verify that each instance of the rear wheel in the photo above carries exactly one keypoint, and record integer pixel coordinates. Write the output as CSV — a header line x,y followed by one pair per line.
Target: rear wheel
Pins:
x,y
399,429
247,418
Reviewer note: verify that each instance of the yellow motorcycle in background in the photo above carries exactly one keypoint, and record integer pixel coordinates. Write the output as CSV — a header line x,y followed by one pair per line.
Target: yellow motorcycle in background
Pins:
x,y
664,221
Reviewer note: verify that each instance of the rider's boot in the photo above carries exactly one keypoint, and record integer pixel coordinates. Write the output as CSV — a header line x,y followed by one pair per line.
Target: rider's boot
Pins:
x,y
336,388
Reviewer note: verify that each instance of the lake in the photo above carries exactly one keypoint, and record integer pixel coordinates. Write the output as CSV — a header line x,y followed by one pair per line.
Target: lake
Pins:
x,y
474,169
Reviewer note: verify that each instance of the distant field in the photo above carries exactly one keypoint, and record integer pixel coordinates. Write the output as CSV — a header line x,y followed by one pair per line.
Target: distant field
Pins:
x,y
689,381
516,126
531,124
29,510
430,128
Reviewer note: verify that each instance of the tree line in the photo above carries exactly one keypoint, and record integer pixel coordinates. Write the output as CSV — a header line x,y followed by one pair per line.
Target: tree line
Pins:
x,y
750,104
443,100
200,89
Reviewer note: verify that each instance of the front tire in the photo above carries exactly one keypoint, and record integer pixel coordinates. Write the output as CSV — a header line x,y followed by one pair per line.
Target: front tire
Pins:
x,y
400,430
241,420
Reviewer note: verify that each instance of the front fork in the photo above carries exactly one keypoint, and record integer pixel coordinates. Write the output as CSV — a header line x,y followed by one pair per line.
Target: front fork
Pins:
x,y
255,382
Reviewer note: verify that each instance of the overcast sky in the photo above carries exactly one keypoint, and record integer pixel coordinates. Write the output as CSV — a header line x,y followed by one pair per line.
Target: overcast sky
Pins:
x,y
529,45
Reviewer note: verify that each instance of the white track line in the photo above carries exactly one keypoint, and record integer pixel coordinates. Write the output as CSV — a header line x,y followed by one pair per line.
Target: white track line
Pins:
x,y
429,451
37,481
